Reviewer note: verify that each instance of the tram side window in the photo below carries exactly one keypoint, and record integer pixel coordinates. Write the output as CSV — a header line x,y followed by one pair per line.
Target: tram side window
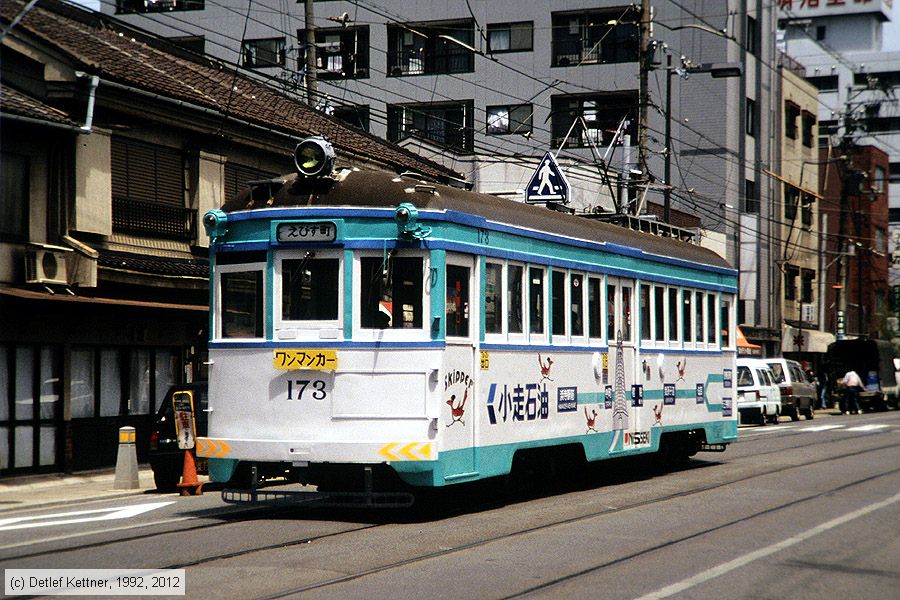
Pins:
x,y
698,321
390,293
595,308
457,301
726,323
659,312
711,318
514,275
558,291
309,289
626,313
687,313
673,314
611,313
645,311
577,304
493,298
242,304
536,299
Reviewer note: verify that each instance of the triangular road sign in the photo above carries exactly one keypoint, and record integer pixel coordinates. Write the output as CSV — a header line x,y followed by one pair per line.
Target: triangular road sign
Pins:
x,y
548,184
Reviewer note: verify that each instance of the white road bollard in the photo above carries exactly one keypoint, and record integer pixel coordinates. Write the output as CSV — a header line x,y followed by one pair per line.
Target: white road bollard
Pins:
x,y
126,462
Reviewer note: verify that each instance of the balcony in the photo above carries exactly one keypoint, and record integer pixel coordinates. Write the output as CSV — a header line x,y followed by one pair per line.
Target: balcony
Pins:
x,y
153,219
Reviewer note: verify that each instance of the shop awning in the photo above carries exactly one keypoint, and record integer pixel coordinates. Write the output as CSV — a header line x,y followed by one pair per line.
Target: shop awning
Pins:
x,y
745,348
810,340
62,297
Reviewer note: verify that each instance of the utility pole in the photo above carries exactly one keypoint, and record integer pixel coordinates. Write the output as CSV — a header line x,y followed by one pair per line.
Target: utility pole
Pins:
x,y
312,87
644,58
667,191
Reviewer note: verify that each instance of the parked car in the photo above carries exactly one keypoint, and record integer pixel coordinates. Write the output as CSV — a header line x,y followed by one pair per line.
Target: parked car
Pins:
x,y
758,396
165,457
798,393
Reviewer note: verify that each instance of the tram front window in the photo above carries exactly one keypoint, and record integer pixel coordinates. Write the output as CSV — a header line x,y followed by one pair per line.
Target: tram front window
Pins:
x,y
242,304
390,294
309,289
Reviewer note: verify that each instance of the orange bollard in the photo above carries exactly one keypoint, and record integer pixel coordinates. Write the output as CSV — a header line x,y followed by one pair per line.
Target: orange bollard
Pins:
x,y
190,485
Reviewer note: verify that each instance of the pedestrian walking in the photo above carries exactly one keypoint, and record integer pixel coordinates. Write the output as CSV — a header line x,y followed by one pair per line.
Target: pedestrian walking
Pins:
x,y
852,385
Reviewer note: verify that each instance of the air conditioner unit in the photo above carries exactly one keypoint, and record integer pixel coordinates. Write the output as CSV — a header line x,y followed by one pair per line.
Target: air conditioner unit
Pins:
x,y
45,266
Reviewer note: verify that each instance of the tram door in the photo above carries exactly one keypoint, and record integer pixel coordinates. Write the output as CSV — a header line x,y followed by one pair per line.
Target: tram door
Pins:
x,y
461,322
622,350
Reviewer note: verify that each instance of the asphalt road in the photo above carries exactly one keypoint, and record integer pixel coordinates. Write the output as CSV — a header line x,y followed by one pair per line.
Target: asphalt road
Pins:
x,y
799,510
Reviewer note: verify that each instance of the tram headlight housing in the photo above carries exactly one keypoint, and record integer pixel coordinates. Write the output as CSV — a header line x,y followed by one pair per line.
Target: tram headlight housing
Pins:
x,y
314,157
215,222
406,216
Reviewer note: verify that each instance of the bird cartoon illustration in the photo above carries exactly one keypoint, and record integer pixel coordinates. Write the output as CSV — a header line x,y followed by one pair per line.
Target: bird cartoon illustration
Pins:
x,y
457,412
591,419
681,365
545,370
657,412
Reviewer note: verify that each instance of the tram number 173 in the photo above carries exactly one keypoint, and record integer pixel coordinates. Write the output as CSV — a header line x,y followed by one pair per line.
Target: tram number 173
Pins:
x,y
297,389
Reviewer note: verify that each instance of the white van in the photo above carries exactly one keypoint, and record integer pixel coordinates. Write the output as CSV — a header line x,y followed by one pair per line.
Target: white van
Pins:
x,y
758,396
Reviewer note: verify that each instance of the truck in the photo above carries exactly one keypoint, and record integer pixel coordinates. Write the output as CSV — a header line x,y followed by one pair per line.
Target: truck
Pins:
x,y
877,364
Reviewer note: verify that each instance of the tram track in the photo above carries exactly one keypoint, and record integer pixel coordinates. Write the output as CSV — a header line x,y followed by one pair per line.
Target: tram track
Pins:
x,y
270,512
444,552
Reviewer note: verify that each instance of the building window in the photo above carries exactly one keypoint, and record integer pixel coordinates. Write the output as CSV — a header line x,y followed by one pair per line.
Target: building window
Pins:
x,y
258,54
790,282
353,115
597,36
752,41
806,209
238,176
751,201
820,33
602,114
809,126
825,83
510,37
125,7
751,117
879,181
509,119
428,49
191,43
148,189
445,123
791,200
13,196
807,277
341,52
791,113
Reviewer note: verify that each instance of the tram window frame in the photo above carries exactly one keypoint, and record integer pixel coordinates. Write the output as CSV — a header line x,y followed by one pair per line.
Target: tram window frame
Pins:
x,y
537,313
673,294
515,297
660,318
645,300
725,323
687,317
712,328
494,316
699,319
596,309
610,300
261,309
577,302
307,325
362,328
627,312
558,326
462,315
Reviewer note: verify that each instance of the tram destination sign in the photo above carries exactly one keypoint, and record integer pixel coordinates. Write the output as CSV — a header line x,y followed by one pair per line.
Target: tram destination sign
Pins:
x,y
306,232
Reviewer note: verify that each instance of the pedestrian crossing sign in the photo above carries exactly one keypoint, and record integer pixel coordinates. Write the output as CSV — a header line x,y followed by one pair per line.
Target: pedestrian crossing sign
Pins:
x,y
548,184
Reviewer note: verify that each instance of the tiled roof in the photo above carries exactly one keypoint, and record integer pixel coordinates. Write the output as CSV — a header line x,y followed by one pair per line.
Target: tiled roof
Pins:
x,y
153,265
101,45
13,102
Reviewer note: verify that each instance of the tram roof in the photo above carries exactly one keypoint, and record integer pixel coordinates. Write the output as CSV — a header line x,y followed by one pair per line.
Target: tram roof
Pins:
x,y
382,189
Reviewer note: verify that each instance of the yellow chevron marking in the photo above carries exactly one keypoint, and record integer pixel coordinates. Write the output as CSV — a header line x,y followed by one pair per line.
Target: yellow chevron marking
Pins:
x,y
210,448
386,451
410,451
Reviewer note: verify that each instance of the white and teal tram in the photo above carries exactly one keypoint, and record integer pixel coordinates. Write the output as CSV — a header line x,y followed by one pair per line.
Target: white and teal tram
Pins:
x,y
362,319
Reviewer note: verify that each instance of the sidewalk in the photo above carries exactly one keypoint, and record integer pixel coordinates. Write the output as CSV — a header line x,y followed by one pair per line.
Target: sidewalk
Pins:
x,y
33,491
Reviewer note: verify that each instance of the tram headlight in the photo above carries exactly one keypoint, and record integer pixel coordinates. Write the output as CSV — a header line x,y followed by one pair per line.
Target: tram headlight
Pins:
x,y
215,222
314,157
406,216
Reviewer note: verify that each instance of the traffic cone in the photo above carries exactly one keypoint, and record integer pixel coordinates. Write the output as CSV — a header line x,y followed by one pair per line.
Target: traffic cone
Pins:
x,y
190,485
